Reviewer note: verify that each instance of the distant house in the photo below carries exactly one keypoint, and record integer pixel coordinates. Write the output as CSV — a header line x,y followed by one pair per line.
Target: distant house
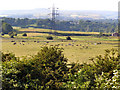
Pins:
x,y
115,34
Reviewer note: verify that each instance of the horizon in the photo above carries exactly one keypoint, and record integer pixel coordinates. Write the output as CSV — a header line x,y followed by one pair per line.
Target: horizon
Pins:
x,y
58,9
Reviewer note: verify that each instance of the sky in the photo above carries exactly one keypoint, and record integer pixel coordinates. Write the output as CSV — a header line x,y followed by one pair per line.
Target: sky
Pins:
x,y
104,5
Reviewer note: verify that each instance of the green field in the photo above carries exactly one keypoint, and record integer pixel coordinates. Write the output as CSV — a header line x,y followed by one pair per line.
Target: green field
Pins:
x,y
79,49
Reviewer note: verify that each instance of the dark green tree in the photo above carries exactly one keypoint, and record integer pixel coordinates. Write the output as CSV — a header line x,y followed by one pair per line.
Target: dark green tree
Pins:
x,y
49,37
68,38
6,28
24,34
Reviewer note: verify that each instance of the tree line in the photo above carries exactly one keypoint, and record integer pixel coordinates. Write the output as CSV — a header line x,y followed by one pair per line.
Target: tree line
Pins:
x,y
105,25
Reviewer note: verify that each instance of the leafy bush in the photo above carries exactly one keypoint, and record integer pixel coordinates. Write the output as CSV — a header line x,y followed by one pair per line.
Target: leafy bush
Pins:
x,y
8,57
106,63
24,34
53,67
100,74
103,80
2,34
49,37
47,69
68,38
15,34
12,34
84,78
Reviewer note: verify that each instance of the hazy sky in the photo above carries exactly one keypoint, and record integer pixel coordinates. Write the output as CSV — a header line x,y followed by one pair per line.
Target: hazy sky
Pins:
x,y
109,5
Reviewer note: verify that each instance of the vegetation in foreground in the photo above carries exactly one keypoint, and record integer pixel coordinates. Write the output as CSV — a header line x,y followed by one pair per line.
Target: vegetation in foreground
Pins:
x,y
49,69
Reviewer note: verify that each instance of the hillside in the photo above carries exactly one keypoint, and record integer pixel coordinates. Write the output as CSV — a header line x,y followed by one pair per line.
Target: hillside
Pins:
x,y
63,14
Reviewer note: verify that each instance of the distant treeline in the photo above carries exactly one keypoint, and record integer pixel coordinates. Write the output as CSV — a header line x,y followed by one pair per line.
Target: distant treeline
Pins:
x,y
102,25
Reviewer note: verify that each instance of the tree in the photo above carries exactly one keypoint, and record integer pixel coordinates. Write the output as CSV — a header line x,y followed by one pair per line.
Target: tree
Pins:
x,y
6,28
24,34
68,38
49,37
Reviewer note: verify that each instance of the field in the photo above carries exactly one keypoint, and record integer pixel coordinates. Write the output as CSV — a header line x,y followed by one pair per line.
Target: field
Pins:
x,y
79,49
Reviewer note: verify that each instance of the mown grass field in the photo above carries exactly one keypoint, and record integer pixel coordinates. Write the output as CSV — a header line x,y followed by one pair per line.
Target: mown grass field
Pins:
x,y
79,49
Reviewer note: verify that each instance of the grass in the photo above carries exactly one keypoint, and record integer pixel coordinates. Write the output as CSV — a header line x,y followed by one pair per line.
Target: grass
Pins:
x,y
34,29
80,49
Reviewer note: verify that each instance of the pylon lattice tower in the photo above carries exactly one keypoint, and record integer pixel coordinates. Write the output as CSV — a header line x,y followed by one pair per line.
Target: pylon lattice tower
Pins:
x,y
53,14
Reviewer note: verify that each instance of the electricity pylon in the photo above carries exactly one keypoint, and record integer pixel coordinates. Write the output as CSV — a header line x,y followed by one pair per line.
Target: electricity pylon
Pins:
x,y
53,14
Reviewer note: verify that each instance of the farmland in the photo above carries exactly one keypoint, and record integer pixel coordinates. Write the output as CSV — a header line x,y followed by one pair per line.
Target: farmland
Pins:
x,y
58,50
79,49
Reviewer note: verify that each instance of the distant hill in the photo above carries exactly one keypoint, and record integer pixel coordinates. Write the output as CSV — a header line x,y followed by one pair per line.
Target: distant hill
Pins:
x,y
63,14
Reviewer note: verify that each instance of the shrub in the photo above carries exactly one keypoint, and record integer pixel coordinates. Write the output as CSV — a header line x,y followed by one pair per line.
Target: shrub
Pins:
x,y
15,34
103,81
99,74
49,37
68,38
84,78
8,57
53,66
2,34
24,34
47,69
12,34
106,63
